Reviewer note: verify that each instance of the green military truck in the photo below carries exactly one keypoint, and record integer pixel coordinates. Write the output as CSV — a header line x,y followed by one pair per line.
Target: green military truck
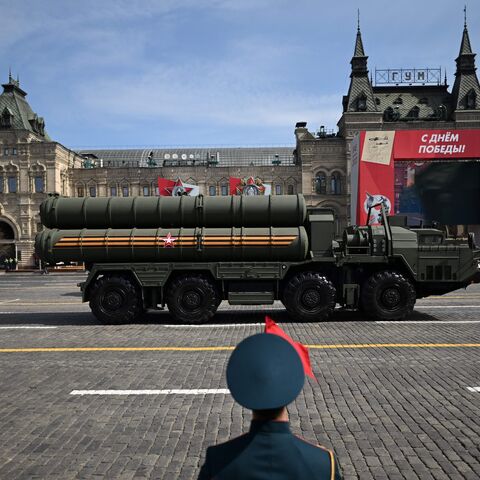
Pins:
x,y
190,253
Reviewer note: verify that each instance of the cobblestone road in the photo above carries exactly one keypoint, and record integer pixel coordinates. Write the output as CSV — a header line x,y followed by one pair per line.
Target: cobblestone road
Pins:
x,y
389,412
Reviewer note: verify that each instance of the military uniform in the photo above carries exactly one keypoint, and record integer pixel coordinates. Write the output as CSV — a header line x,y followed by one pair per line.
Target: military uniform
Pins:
x,y
269,451
265,372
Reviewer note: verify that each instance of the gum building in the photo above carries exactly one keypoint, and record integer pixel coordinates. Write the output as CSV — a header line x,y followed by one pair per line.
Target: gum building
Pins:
x,y
318,166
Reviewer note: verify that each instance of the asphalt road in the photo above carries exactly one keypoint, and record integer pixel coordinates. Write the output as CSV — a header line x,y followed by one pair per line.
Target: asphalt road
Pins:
x,y
396,400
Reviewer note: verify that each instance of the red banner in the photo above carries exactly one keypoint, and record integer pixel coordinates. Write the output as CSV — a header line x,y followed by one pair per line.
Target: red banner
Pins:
x,y
373,173
374,153
436,144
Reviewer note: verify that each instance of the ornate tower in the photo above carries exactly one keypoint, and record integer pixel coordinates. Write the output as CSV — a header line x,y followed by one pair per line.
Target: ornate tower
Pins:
x,y
360,94
466,89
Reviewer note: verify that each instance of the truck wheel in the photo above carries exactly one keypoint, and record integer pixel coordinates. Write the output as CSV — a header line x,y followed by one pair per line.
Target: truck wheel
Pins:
x,y
115,300
192,299
388,296
309,297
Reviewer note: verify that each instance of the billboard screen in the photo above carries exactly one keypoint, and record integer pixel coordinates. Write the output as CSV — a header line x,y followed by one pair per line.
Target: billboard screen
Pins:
x,y
443,191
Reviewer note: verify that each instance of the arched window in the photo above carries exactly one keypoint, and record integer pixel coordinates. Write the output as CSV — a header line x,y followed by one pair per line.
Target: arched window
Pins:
x,y
336,184
321,183
92,190
414,112
471,100
12,178
212,190
80,190
146,191
37,178
290,189
125,190
113,191
361,102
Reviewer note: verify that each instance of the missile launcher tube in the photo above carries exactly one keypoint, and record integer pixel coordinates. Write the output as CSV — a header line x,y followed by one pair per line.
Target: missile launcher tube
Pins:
x,y
173,245
173,212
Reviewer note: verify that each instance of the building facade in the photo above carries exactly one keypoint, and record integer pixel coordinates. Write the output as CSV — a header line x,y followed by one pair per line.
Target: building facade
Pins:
x,y
31,164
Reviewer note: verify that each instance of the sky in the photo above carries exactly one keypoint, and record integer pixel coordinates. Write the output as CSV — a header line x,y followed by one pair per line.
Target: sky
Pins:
x,y
132,73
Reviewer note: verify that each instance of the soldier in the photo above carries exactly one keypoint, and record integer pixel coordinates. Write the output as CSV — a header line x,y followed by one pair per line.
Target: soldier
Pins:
x,y
265,374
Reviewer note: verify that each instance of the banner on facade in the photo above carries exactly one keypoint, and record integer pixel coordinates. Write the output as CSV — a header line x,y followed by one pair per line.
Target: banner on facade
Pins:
x,y
372,176
384,166
437,144
176,188
249,186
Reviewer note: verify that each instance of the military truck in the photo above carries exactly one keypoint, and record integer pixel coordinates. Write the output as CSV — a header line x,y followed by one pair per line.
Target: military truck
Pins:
x,y
190,253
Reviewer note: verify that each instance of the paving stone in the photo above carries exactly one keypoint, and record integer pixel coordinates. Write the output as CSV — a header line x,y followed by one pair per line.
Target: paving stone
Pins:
x,y
387,412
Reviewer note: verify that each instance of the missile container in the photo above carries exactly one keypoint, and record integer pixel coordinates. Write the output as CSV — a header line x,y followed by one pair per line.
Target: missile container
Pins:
x,y
192,253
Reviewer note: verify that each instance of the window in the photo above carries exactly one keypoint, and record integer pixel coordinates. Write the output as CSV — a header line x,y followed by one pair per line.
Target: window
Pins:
x,y
12,184
146,191
92,191
212,190
5,151
362,103
471,100
414,112
336,184
113,191
39,184
157,191
321,184
14,151
290,189
125,190
278,189
224,189
80,192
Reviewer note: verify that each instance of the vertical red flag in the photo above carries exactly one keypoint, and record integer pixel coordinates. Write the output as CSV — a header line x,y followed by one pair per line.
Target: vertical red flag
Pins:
x,y
235,184
302,350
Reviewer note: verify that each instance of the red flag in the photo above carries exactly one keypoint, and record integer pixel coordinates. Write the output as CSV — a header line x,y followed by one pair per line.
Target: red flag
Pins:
x,y
235,186
302,350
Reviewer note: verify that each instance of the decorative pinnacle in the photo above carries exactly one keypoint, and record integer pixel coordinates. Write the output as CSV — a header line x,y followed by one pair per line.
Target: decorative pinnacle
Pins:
x,y
465,16
10,75
358,19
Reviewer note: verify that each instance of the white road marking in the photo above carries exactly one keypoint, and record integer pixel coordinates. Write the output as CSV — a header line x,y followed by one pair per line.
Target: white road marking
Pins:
x,y
199,391
473,389
220,325
428,321
24,326
9,301
445,306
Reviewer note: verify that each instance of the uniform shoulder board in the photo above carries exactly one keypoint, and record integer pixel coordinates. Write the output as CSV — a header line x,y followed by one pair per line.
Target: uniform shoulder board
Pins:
x,y
330,453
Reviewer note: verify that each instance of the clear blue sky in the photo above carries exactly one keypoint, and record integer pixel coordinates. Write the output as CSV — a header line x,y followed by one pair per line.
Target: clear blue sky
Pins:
x,y
112,73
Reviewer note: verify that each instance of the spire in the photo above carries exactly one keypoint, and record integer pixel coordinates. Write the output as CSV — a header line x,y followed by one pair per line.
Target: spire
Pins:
x,y
359,51
466,57
360,94
466,88
465,46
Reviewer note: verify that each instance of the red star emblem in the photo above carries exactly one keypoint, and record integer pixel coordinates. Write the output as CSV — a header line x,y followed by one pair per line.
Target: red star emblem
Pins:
x,y
168,240
178,188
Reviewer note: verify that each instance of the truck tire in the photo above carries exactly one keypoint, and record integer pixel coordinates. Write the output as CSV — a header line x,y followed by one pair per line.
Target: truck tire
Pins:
x,y
309,297
115,300
388,295
192,299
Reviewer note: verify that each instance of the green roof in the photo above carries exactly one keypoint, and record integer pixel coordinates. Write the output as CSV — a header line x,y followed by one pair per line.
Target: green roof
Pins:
x,y
14,104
